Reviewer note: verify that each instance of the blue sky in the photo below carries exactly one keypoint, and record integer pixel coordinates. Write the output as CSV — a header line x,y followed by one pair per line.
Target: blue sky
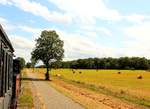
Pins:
x,y
89,28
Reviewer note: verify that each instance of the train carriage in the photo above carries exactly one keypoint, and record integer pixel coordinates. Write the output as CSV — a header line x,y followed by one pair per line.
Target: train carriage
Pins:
x,y
7,77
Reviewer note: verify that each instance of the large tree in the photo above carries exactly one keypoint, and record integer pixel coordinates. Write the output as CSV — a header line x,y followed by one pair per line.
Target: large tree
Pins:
x,y
48,48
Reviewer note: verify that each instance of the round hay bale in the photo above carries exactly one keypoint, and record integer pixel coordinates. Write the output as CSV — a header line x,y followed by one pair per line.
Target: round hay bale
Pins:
x,y
80,72
58,75
119,72
139,77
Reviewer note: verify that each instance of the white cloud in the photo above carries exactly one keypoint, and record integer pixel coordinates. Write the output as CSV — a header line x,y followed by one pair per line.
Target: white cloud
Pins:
x,y
22,42
72,10
25,53
23,46
6,24
137,18
136,48
92,29
35,31
139,31
38,10
2,20
87,10
5,2
78,46
138,40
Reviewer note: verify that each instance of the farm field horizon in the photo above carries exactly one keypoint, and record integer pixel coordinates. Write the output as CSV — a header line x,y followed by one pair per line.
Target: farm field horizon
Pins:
x,y
124,84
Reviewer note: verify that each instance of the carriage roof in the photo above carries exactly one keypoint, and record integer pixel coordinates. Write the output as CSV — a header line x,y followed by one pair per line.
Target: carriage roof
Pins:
x,y
5,37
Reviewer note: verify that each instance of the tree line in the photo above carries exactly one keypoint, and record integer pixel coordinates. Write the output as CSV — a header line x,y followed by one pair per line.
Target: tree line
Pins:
x,y
130,63
49,50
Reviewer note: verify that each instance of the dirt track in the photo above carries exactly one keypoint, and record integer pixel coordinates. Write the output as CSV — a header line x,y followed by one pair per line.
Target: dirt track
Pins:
x,y
51,98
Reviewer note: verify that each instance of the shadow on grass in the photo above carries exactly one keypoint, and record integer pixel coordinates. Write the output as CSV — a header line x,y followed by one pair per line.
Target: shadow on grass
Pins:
x,y
33,79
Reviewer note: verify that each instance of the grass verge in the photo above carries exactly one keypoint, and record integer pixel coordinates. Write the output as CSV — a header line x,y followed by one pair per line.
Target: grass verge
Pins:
x,y
25,99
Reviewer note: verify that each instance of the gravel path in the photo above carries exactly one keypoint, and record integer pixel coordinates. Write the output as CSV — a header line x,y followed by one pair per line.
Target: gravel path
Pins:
x,y
51,98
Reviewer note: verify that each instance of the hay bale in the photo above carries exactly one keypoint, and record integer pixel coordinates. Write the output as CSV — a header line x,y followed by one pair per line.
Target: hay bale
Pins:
x,y
139,77
73,71
122,92
119,72
58,75
80,72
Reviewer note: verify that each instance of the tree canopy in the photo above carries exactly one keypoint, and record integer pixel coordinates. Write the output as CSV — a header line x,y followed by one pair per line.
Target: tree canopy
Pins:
x,y
49,48
22,62
28,65
107,63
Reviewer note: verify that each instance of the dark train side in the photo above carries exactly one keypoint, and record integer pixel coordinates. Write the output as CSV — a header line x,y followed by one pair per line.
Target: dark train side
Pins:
x,y
9,74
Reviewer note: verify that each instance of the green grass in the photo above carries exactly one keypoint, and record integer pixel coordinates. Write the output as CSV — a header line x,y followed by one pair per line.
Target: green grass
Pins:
x,y
25,99
125,86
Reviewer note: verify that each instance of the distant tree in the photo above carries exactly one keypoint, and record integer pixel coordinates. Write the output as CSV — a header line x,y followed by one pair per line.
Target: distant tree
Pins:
x,y
22,62
66,64
130,63
90,63
143,63
74,65
28,65
96,63
33,62
56,64
102,63
48,48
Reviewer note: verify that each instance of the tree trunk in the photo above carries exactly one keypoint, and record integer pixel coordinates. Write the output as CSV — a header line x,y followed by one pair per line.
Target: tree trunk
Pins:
x,y
33,69
47,73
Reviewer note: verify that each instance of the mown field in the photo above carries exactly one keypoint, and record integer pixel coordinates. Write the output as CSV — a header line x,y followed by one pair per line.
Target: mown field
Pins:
x,y
124,85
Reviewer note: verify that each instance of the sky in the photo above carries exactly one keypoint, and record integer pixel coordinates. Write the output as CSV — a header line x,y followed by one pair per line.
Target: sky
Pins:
x,y
89,28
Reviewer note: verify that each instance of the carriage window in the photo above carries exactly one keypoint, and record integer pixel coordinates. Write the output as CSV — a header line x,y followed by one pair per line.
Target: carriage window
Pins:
x,y
0,69
2,73
9,71
6,72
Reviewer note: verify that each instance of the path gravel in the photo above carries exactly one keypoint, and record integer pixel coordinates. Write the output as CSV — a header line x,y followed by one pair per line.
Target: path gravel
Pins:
x,y
51,98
